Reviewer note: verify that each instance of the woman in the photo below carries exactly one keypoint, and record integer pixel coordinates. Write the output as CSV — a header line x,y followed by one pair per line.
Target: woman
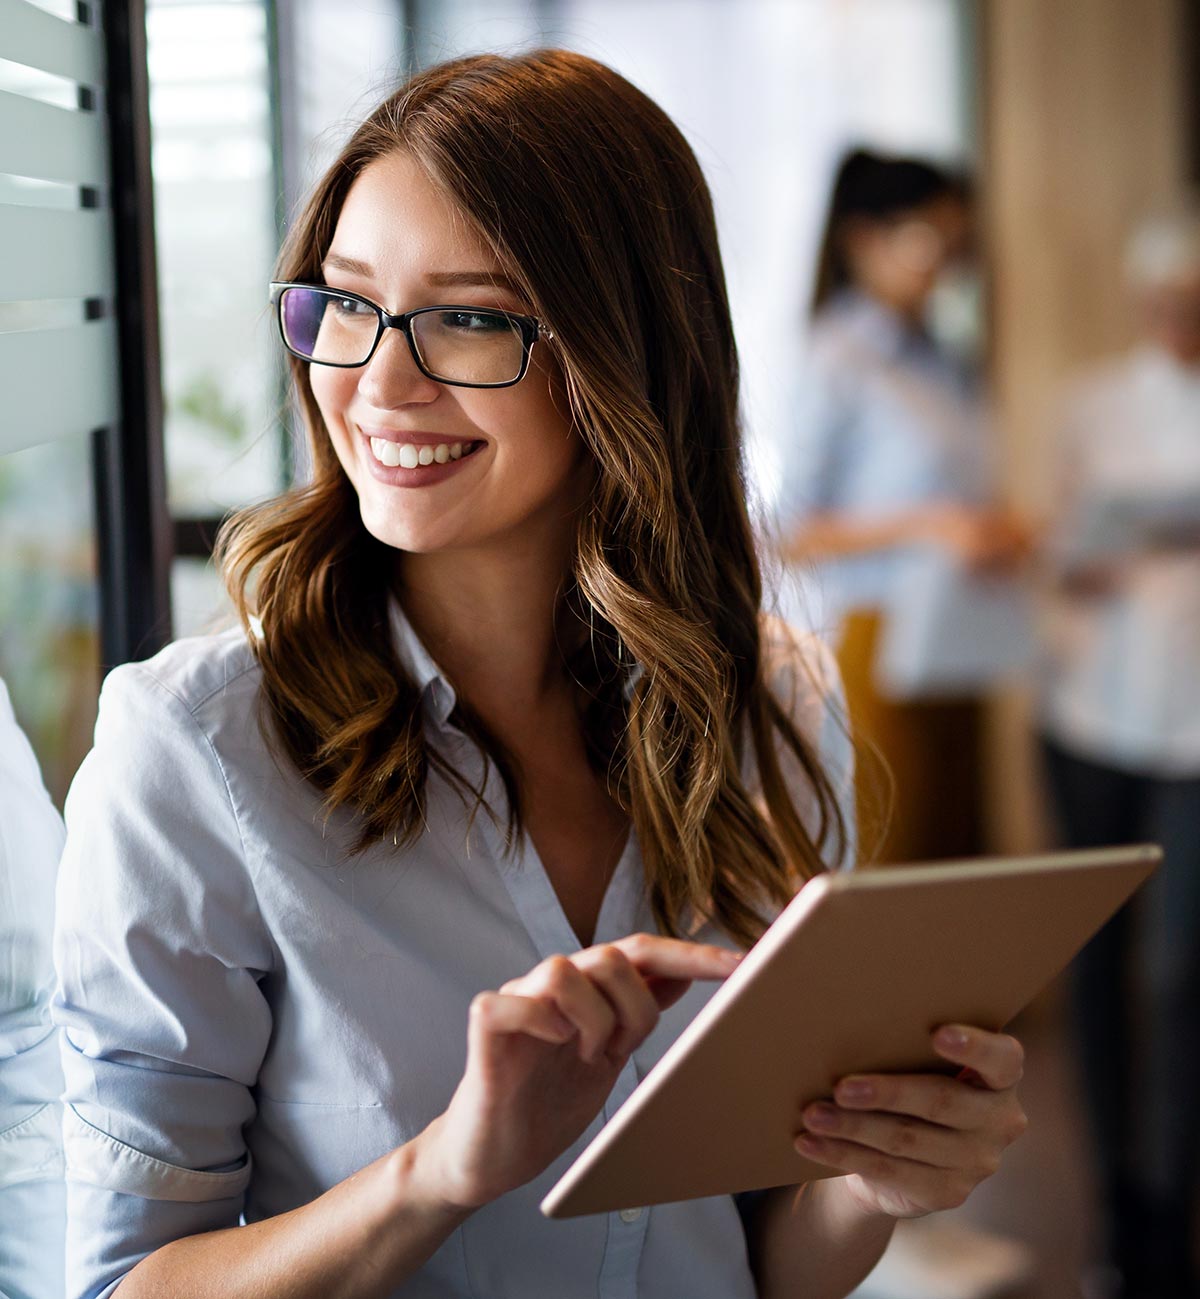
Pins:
x,y
888,469
1120,717
370,974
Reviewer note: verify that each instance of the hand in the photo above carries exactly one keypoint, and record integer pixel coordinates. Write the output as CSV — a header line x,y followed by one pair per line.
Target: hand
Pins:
x,y
1095,582
917,1143
986,540
544,1051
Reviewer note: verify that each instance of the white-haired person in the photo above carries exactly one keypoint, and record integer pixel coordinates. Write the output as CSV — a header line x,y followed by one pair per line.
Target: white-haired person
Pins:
x,y
1120,716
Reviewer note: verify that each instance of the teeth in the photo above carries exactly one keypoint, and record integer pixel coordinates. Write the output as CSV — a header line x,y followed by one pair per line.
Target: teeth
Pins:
x,y
407,455
387,453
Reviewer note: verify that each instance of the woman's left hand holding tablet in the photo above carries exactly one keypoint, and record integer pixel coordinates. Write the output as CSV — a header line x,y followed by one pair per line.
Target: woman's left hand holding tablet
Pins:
x,y
913,1144
543,1052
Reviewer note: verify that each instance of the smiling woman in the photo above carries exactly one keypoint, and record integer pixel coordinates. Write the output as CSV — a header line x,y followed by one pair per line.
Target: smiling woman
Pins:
x,y
503,764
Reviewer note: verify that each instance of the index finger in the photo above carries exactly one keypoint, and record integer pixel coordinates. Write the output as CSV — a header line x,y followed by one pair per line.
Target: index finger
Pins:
x,y
656,957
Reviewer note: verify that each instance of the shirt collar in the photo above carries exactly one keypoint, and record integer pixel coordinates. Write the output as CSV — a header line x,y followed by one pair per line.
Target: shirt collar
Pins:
x,y
430,680
878,327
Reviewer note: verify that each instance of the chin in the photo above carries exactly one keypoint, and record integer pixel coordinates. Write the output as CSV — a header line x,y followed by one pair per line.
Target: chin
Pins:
x,y
414,536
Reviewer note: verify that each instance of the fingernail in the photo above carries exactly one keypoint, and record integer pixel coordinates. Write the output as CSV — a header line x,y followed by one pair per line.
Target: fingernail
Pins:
x,y
952,1039
821,1116
808,1145
855,1091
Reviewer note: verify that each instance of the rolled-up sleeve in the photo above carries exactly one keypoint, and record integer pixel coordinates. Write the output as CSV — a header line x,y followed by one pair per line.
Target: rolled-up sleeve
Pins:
x,y
160,952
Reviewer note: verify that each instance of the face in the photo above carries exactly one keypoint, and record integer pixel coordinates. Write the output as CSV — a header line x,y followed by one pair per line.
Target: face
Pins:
x,y
899,262
1171,316
504,461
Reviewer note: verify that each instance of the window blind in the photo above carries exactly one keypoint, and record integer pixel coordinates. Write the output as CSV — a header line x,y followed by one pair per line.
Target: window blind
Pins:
x,y
58,349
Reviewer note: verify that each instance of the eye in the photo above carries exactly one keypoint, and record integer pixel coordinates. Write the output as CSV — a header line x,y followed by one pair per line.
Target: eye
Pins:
x,y
352,307
474,322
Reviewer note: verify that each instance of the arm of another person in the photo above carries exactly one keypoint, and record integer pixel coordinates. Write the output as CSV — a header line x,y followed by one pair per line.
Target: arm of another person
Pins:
x,y
31,1189
814,521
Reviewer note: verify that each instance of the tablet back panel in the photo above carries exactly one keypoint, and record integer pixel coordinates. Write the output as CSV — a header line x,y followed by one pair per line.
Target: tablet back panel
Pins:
x,y
852,977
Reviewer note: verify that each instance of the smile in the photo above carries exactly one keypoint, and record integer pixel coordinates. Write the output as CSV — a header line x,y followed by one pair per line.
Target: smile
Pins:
x,y
408,455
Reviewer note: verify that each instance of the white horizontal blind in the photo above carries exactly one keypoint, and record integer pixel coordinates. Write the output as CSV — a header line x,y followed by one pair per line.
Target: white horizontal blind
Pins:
x,y
58,357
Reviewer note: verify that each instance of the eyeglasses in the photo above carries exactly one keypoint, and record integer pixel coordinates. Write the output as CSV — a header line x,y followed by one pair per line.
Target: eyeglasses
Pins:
x,y
469,347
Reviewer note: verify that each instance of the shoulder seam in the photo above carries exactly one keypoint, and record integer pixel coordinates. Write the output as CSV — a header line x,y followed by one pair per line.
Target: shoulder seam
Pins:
x,y
140,669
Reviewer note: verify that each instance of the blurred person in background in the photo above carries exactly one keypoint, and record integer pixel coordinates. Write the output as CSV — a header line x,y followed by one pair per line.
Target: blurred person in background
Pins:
x,y
32,1192
1120,716
888,456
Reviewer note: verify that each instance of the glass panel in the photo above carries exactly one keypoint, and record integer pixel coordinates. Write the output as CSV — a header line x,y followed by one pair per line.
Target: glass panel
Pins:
x,y
198,601
216,234
49,643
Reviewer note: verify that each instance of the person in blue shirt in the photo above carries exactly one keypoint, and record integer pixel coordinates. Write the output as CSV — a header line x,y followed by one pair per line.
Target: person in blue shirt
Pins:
x,y
374,907
889,465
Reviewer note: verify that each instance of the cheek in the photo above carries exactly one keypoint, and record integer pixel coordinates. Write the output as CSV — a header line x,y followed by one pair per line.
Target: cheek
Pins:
x,y
333,390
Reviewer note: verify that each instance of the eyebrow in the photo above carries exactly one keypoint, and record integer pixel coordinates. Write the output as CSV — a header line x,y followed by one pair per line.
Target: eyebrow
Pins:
x,y
443,279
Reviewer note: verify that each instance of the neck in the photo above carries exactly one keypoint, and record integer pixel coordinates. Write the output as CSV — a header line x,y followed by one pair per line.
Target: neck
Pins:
x,y
488,618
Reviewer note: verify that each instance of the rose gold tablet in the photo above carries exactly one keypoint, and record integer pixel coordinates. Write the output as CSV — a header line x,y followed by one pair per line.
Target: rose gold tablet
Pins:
x,y
852,977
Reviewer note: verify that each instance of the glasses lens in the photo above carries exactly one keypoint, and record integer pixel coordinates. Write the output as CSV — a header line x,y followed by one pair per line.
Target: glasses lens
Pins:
x,y
328,327
464,346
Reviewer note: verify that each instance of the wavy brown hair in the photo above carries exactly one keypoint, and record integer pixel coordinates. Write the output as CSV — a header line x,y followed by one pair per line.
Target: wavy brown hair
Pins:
x,y
594,202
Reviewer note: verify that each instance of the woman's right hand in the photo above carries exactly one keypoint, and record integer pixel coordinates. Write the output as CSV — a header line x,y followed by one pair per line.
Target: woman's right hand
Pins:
x,y
543,1052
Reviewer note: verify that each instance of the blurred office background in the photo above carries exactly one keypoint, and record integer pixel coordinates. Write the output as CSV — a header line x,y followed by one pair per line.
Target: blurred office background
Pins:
x,y
150,157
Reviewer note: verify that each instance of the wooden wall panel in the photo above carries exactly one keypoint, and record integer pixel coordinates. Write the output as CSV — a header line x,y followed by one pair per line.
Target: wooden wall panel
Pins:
x,y
1083,115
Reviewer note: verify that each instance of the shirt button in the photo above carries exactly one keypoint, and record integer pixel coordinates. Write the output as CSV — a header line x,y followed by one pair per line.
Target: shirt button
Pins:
x,y
630,1215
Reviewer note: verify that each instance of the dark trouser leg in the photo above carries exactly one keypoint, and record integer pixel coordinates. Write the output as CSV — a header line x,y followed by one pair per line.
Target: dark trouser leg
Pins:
x,y
1171,1102
1096,805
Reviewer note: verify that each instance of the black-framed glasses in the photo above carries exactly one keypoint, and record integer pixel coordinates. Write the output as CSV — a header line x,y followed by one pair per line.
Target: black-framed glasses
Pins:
x,y
469,347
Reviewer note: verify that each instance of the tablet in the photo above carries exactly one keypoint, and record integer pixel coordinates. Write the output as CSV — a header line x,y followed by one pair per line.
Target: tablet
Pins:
x,y
1110,526
853,977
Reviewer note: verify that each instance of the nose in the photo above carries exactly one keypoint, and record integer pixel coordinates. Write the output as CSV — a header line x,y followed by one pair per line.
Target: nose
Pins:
x,y
391,377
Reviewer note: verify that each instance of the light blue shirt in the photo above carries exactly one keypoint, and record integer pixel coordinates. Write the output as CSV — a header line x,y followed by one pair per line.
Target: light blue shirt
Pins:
x,y
883,421
31,1164
251,1014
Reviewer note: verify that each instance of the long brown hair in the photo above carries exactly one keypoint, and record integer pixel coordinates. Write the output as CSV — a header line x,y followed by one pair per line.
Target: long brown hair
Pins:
x,y
596,205
871,186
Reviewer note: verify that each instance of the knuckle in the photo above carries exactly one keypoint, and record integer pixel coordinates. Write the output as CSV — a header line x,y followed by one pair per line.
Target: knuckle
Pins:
x,y
557,971
1018,1054
942,1102
483,1006
637,946
1018,1127
610,960
907,1136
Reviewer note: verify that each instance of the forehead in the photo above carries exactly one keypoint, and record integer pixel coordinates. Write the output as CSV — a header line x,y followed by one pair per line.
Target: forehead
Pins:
x,y
400,222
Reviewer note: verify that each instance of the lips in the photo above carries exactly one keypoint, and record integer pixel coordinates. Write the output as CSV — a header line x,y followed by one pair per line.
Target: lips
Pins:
x,y
412,459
